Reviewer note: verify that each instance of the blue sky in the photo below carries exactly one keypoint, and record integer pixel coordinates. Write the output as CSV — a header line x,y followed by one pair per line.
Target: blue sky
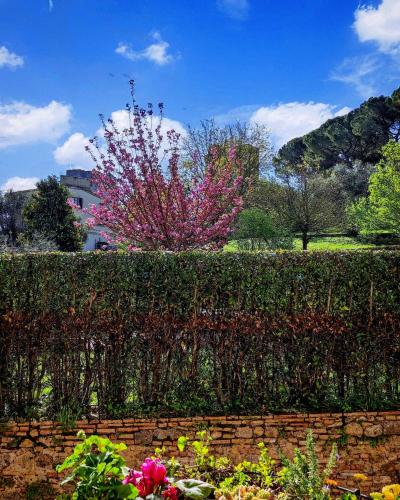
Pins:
x,y
289,64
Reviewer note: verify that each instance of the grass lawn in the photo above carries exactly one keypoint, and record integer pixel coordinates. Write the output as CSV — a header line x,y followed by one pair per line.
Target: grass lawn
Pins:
x,y
333,243
319,244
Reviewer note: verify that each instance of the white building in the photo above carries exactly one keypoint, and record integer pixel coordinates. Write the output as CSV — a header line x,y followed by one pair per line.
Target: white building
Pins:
x,y
79,183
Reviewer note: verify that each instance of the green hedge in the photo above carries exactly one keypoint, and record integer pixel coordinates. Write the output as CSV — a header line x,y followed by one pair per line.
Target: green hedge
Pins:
x,y
188,333
188,283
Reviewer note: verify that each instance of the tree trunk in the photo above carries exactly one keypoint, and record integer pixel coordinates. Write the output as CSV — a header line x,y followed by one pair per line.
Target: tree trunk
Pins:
x,y
305,240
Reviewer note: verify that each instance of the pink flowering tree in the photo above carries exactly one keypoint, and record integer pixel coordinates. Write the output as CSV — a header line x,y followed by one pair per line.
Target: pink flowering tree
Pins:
x,y
145,203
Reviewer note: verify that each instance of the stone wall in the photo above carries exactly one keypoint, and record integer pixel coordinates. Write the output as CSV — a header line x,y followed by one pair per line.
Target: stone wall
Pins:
x,y
368,443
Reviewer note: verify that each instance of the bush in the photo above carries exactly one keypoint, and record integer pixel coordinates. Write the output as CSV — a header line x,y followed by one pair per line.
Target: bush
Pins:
x,y
97,470
256,230
196,333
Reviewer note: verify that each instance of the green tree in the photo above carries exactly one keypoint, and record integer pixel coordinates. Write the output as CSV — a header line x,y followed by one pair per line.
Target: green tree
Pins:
x,y
48,213
311,201
302,199
256,230
358,135
381,209
11,222
352,180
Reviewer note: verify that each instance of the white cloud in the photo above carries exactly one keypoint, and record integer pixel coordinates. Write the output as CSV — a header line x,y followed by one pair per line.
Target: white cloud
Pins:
x,y
10,59
360,72
380,25
237,9
19,183
156,52
121,121
294,119
21,123
73,152
240,113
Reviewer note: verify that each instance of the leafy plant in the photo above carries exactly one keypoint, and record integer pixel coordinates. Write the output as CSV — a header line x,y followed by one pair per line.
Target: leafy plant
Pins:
x,y
246,493
194,488
97,470
256,473
256,230
47,213
302,477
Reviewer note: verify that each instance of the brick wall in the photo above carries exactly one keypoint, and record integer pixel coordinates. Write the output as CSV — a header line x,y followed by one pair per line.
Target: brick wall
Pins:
x,y
368,443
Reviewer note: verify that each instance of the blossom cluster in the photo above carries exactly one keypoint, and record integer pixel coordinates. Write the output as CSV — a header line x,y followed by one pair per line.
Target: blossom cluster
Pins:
x,y
145,201
152,479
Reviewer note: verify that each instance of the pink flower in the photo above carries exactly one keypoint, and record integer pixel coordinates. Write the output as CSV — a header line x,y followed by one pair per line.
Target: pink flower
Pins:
x,y
145,203
171,492
155,470
132,477
152,476
144,486
72,204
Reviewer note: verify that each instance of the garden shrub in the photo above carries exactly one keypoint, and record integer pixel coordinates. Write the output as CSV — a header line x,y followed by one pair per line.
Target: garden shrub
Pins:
x,y
122,334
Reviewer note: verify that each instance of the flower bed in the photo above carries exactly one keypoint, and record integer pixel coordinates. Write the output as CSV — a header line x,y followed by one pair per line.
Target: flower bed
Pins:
x,y
98,471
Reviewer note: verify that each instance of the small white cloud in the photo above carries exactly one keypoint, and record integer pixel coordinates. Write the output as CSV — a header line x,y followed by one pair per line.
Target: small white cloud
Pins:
x,y
121,121
360,72
236,9
73,152
240,113
21,123
19,183
380,25
156,52
10,59
294,119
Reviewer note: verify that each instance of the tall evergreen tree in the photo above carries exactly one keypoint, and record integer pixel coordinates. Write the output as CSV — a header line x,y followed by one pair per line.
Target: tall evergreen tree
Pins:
x,y
357,136
48,213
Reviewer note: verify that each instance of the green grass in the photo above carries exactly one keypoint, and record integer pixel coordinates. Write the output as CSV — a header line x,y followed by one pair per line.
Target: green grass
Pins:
x,y
319,244
333,243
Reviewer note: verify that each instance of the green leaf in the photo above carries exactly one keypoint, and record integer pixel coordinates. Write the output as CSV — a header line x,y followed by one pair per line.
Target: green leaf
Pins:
x,y
193,488
182,441
100,468
127,491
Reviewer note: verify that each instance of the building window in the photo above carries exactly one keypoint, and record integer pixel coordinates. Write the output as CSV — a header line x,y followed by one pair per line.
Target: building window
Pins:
x,y
78,201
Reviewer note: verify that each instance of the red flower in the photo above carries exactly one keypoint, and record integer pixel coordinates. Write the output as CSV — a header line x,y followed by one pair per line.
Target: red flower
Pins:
x,y
171,492
153,475
155,471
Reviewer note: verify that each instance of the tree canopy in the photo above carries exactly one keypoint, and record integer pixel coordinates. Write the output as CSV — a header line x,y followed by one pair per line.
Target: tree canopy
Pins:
x,y
381,209
47,213
357,136
252,144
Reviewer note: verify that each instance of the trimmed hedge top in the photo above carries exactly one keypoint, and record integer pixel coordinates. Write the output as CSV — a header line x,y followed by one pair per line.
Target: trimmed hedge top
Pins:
x,y
187,283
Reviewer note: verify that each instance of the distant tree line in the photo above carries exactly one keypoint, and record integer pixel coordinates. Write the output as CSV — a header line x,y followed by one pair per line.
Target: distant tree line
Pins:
x,y
333,178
